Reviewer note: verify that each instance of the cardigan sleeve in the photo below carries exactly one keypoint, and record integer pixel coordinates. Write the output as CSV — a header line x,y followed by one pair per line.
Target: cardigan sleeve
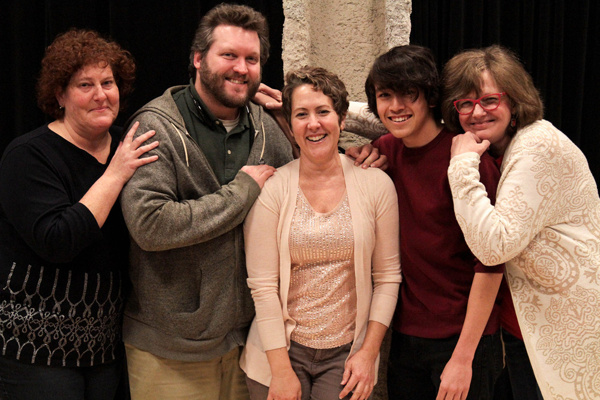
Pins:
x,y
386,252
526,199
262,262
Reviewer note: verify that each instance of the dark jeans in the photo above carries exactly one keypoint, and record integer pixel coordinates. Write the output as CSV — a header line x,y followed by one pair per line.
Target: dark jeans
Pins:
x,y
21,381
522,380
415,365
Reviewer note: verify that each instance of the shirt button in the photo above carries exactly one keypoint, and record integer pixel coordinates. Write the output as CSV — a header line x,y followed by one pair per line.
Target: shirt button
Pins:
x,y
229,152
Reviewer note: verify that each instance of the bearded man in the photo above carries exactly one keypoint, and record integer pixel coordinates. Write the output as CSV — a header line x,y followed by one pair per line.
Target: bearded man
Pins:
x,y
190,307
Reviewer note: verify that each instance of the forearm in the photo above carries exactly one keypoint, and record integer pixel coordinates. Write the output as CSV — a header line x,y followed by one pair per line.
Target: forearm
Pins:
x,y
101,197
279,361
373,338
159,220
482,296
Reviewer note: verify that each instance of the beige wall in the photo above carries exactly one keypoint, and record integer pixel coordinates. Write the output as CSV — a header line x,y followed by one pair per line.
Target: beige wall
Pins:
x,y
343,36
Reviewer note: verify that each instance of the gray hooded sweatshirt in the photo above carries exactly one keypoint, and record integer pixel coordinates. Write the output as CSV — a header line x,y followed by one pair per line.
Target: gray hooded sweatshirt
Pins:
x,y
189,298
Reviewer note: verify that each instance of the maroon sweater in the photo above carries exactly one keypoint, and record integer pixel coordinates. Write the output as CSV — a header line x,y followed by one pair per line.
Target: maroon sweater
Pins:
x,y
437,265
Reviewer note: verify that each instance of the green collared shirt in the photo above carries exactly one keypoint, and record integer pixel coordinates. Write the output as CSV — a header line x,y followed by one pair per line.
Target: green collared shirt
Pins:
x,y
227,152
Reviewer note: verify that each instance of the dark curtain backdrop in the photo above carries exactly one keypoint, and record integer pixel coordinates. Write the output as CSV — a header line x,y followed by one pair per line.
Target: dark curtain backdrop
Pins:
x,y
557,40
157,33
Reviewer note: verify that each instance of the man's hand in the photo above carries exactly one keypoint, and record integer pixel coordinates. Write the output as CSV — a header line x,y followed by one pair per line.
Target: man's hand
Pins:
x,y
260,173
268,97
367,156
456,380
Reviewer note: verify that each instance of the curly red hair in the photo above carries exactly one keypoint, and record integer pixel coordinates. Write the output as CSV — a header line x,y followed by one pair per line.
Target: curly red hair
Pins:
x,y
69,53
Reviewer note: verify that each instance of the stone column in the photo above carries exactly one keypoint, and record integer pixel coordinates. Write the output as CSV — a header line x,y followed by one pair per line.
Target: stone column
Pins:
x,y
343,36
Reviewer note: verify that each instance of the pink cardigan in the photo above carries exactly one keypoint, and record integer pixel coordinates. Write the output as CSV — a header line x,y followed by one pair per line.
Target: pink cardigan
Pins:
x,y
374,208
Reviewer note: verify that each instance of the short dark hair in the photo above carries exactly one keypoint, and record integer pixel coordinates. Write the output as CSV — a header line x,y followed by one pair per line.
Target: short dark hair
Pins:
x,y
69,53
233,15
462,75
320,79
405,69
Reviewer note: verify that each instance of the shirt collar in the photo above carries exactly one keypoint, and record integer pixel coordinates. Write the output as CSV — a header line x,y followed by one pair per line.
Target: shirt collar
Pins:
x,y
200,110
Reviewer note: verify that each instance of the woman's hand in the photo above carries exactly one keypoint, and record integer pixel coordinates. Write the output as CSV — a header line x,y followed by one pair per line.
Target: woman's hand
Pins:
x,y
100,198
127,157
468,142
285,386
359,375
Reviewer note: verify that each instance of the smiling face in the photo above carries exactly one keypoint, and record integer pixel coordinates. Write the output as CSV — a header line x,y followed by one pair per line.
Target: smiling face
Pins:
x,y
315,124
490,125
91,100
406,116
229,74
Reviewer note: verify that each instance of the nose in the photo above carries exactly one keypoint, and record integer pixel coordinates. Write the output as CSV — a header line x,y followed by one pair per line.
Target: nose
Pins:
x,y
99,93
240,66
313,122
478,110
397,103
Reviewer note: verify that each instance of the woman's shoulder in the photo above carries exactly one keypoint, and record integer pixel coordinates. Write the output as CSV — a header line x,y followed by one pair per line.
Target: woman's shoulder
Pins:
x,y
541,137
281,179
39,137
539,130
372,179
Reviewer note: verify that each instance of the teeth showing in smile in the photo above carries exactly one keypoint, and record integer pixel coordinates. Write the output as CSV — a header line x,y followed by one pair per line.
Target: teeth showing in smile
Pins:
x,y
239,82
399,119
315,138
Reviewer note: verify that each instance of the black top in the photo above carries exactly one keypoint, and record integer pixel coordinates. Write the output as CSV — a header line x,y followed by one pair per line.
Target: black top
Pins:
x,y
61,276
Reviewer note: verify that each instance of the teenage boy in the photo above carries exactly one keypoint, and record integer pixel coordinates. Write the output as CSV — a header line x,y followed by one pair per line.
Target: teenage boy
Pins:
x,y
445,338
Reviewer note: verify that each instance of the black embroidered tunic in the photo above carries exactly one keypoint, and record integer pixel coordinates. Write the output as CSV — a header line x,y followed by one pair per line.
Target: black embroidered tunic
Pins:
x,y
61,276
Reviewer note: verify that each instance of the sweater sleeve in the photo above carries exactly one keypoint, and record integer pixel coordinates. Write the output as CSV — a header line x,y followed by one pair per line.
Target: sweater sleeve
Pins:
x,y
361,121
525,203
160,216
262,262
489,176
386,252
37,204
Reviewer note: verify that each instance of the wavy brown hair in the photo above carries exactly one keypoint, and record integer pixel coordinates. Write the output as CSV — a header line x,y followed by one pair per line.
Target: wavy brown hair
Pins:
x,y
463,73
69,53
320,79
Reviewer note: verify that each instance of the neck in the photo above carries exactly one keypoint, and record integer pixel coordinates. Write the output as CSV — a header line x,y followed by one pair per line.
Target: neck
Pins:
x,y
426,134
497,149
218,109
320,171
96,144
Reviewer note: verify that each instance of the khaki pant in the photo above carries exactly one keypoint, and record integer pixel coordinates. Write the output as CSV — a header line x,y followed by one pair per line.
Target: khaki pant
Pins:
x,y
152,377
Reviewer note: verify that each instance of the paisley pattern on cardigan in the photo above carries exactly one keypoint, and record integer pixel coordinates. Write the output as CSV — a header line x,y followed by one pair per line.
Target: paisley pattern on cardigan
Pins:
x,y
546,227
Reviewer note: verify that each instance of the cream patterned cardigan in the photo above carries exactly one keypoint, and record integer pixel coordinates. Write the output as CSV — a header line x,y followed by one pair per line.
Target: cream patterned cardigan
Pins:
x,y
546,228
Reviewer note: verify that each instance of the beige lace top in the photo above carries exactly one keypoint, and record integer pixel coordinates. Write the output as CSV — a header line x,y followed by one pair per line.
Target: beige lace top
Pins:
x,y
322,298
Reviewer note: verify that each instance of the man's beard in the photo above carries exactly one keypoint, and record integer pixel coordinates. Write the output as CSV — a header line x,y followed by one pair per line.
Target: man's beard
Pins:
x,y
213,83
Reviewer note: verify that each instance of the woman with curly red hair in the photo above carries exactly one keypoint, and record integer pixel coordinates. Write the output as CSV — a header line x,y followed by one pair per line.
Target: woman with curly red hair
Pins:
x,y
63,242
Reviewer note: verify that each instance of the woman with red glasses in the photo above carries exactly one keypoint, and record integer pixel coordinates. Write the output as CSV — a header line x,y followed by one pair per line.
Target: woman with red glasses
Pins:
x,y
545,224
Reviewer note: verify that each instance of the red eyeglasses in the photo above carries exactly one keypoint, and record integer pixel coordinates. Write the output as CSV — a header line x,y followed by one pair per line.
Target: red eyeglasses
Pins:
x,y
489,102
